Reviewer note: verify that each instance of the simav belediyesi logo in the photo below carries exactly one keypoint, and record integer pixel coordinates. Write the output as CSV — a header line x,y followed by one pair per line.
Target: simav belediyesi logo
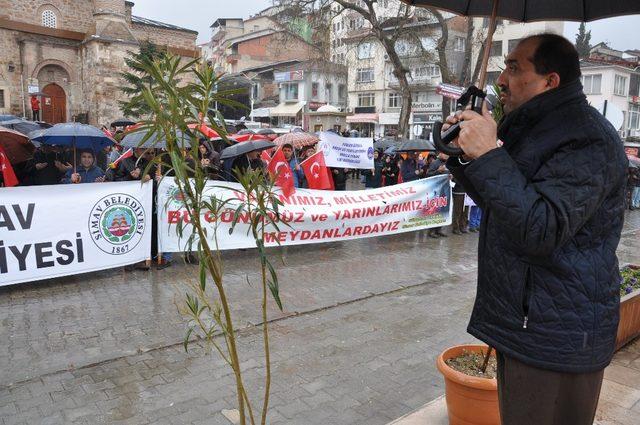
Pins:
x,y
117,223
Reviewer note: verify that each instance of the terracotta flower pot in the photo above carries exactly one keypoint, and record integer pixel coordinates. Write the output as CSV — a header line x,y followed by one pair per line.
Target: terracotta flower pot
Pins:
x,y
470,400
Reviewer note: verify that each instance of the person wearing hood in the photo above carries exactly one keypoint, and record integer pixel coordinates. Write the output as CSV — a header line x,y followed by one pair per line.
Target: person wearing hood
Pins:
x,y
373,177
87,172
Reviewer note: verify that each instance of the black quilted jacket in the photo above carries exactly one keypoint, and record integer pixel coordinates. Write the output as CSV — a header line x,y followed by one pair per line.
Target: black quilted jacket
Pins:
x,y
552,200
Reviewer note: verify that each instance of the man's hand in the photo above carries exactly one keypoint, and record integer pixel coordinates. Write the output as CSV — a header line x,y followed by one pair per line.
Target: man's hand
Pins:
x,y
75,178
41,165
146,178
135,173
478,133
99,179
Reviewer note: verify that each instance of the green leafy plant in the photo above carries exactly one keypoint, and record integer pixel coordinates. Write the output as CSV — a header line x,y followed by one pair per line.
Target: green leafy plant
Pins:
x,y
181,93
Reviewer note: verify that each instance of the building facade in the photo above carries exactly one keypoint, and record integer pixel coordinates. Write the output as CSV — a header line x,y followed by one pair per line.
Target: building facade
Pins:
x,y
614,88
374,100
72,52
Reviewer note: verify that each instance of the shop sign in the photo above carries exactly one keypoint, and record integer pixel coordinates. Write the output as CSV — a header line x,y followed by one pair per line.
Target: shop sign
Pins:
x,y
426,106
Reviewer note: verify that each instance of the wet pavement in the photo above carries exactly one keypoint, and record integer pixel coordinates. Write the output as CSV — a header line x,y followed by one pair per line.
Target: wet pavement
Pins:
x,y
356,343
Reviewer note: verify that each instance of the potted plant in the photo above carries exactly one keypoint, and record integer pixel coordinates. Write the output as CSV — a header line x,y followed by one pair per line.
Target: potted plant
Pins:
x,y
471,389
629,326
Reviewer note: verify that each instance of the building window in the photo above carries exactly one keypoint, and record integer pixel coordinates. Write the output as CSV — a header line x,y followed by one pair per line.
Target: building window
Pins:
x,y
328,93
512,44
365,51
342,92
364,75
460,44
291,91
591,83
49,19
314,90
2,101
496,48
620,85
366,99
634,117
394,100
426,71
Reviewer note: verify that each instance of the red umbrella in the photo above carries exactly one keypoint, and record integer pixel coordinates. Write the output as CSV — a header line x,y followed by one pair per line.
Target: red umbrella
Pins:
x,y
16,145
205,129
297,140
248,137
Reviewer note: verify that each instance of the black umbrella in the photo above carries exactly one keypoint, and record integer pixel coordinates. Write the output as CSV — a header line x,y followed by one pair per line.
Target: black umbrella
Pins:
x,y
246,131
415,145
122,122
23,126
386,142
246,147
266,131
134,140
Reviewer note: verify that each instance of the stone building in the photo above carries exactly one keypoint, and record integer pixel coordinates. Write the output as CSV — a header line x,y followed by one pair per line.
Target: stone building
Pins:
x,y
73,51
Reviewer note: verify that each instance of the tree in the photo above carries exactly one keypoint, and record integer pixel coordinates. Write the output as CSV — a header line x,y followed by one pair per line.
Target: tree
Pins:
x,y
138,78
583,41
392,25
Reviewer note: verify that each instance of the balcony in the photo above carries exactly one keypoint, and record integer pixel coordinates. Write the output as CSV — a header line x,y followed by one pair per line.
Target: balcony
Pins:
x,y
217,33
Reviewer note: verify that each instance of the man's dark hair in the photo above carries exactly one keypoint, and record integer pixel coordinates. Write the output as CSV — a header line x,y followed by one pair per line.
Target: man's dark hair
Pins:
x,y
555,53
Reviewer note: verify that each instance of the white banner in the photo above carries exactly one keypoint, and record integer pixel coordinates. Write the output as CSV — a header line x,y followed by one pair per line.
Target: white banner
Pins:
x,y
346,152
310,216
59,230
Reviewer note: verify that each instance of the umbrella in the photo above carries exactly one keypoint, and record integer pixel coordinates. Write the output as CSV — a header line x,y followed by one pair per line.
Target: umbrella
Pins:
x,y
246,131
122,122
246,147
248,137
134,140
75,134
634,161
385,143
8,117
205,130
269,133
16,145
297,140
218,143
415,145
23,126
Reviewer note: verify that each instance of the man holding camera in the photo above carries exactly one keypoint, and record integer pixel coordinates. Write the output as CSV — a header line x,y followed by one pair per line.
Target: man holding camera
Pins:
x,y
550,181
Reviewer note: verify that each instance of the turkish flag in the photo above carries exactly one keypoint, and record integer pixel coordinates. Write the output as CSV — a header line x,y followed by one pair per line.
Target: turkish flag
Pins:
x,y
8,174
280,171
264,155
317,174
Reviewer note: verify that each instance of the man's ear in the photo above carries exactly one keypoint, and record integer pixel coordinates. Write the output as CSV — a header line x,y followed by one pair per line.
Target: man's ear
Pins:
x,y
553,80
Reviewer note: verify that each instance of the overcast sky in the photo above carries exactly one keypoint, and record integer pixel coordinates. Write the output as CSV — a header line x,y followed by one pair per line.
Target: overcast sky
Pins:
x,y
621,33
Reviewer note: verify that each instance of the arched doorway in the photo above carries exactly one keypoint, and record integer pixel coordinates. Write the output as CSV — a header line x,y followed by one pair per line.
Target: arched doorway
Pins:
x,y
54,105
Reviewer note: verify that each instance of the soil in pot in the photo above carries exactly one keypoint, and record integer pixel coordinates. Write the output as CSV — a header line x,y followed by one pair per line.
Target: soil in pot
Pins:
x,y
470,363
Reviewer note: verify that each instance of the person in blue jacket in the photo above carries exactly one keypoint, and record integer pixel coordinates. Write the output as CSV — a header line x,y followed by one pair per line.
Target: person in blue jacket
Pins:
x,y
87,172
